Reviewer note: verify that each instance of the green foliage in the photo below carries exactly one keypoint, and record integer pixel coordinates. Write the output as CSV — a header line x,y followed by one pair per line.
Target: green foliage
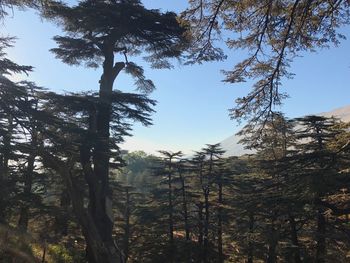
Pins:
x,y
273,33
60,254
97,29
287,202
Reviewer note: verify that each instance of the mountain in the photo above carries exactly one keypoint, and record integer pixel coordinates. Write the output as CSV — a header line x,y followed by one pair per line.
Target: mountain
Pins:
x,y
342,113
233,148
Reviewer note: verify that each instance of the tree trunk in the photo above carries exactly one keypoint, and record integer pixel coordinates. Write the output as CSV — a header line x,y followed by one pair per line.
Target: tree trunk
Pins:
x,y
272,252
273,240
185,213
220,253
250,243
4,169
321,238
206,225
171,223
97,249
61,220
127,226
24,213
200,231
294,238
100,194
321,220
101,206
184,207
2,192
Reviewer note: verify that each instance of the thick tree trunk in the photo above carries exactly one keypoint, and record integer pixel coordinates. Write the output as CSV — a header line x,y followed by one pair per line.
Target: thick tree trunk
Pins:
x,y
98,250
100,207
100,194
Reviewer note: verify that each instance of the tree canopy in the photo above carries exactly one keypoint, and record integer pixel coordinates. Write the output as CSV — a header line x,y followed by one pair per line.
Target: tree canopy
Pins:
x,y
68,193
273,33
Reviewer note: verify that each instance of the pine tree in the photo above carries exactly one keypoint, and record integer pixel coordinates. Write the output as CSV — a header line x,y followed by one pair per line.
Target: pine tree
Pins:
x,y
170,169
100,32
320,167
13,107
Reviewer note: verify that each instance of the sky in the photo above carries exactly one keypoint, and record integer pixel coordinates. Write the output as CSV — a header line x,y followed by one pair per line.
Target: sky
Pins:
x,y
193,101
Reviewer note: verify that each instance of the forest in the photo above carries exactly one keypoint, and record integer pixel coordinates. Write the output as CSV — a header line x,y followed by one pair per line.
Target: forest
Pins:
x,y
70,193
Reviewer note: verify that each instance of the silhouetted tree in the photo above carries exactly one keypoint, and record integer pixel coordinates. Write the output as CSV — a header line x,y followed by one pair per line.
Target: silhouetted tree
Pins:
x,y
96,32
170,169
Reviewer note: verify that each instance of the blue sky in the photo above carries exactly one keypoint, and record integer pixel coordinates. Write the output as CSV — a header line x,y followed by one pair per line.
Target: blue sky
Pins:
x,y
193,101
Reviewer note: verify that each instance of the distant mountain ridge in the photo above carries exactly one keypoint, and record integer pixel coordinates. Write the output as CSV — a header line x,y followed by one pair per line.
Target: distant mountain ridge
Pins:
x,y
342,113
233,148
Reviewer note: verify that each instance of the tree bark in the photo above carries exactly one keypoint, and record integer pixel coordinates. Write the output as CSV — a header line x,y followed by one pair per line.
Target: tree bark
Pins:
x,y
127,226
24,213
98,251
220,252
321,220
61,220
170,207
250,256
184,207
206,225
100,194
321,238
294,238
200,231
4,169
273,240
185,214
